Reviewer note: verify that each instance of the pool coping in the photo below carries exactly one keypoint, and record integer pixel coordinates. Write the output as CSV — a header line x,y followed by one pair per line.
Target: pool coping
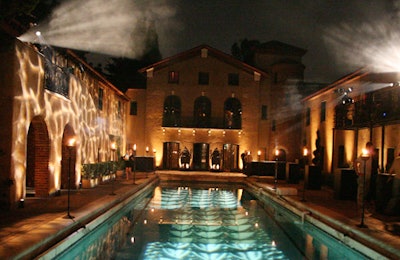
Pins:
x,y
61,233
347,233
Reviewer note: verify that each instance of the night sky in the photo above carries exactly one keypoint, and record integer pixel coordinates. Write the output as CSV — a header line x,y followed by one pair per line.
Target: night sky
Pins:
x,y
339,36
305,24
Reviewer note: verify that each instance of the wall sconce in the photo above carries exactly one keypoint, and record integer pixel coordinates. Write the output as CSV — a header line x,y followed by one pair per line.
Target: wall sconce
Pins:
x,y
21,203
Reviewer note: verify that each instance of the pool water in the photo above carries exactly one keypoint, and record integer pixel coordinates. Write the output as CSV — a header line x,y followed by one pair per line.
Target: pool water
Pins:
x,y
215,223
207,223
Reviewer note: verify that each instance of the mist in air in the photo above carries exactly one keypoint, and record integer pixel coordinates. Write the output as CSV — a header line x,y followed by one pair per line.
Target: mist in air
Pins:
x,y
112,27
372,43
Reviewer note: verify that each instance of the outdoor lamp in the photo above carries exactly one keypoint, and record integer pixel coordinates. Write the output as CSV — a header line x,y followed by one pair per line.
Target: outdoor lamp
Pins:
x,y
113,149
305,152
70,144
364,156
276,168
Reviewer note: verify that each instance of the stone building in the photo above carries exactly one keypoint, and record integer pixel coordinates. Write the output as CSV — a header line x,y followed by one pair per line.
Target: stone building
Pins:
x,y
47,98
203,99
360,107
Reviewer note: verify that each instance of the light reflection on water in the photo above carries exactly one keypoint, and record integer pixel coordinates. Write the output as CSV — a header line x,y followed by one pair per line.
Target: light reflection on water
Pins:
x,y
207,223
188,223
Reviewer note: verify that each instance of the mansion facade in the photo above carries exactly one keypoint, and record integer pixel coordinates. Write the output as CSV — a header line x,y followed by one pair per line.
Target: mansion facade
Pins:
x,y
204,100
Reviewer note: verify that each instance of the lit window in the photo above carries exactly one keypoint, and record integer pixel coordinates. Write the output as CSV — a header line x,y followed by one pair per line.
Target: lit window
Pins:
x,y
173,77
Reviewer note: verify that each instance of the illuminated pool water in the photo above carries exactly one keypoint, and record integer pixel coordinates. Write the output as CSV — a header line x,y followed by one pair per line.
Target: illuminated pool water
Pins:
x,y
207,223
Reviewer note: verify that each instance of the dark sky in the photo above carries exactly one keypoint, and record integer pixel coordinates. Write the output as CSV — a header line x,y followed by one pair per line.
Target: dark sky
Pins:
x,y
339,35
305,24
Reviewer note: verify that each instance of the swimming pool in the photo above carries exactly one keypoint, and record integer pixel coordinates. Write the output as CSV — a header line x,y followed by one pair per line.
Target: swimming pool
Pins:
x,y
206,222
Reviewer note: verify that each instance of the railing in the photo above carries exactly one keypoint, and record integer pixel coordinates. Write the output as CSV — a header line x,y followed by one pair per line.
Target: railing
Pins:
x,y
189,122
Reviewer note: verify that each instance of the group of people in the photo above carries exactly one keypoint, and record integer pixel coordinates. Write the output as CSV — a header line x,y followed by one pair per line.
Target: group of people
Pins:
x,y
215,159
367,170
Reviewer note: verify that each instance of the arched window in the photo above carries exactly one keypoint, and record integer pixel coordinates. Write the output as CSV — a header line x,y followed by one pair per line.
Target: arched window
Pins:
x,y
232,114
172,111
202,112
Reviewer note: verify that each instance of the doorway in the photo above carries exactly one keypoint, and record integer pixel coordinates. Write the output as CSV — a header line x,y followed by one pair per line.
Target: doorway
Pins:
x,y
201,155
230,157
171,155
37,159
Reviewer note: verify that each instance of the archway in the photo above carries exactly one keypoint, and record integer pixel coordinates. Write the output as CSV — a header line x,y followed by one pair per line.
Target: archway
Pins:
x,y
172,111
68,153
37,159
232,113
202,112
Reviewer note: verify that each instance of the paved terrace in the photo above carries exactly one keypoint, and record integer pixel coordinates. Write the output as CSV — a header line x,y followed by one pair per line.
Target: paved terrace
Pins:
x,y
28,231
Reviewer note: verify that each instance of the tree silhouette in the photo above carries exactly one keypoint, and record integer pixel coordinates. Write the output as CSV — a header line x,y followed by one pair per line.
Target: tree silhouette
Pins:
x,y
123,72
244,50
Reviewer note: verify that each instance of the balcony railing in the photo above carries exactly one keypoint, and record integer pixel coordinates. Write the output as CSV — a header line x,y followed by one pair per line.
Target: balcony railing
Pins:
x,y
189,122
380,107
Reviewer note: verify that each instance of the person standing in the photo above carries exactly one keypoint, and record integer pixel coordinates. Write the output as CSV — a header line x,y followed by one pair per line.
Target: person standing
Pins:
x,y
393,206
129,160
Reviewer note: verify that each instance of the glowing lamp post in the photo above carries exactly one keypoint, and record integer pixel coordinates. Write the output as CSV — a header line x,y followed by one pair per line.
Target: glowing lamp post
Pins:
x,y
276,168
364,156
70,144
305,154
134,164
259,154
113,149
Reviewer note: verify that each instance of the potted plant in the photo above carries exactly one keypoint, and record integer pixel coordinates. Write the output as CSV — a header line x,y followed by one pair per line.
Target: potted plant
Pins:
x,y
88,176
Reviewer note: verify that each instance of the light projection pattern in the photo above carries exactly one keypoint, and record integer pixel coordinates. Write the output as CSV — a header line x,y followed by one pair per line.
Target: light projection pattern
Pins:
x,y
207,224
79,111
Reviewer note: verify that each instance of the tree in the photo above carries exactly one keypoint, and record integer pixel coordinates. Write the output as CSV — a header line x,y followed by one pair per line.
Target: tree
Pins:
x,y
16,17
123,72
244,50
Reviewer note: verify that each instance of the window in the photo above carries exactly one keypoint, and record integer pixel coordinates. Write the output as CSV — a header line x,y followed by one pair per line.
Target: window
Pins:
x,y
264,114
233,79
119,108
203,78
308,116
323,111
172,111
232,114
341,157
202,112
133,109
57,79
273,127
173,77
101,95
